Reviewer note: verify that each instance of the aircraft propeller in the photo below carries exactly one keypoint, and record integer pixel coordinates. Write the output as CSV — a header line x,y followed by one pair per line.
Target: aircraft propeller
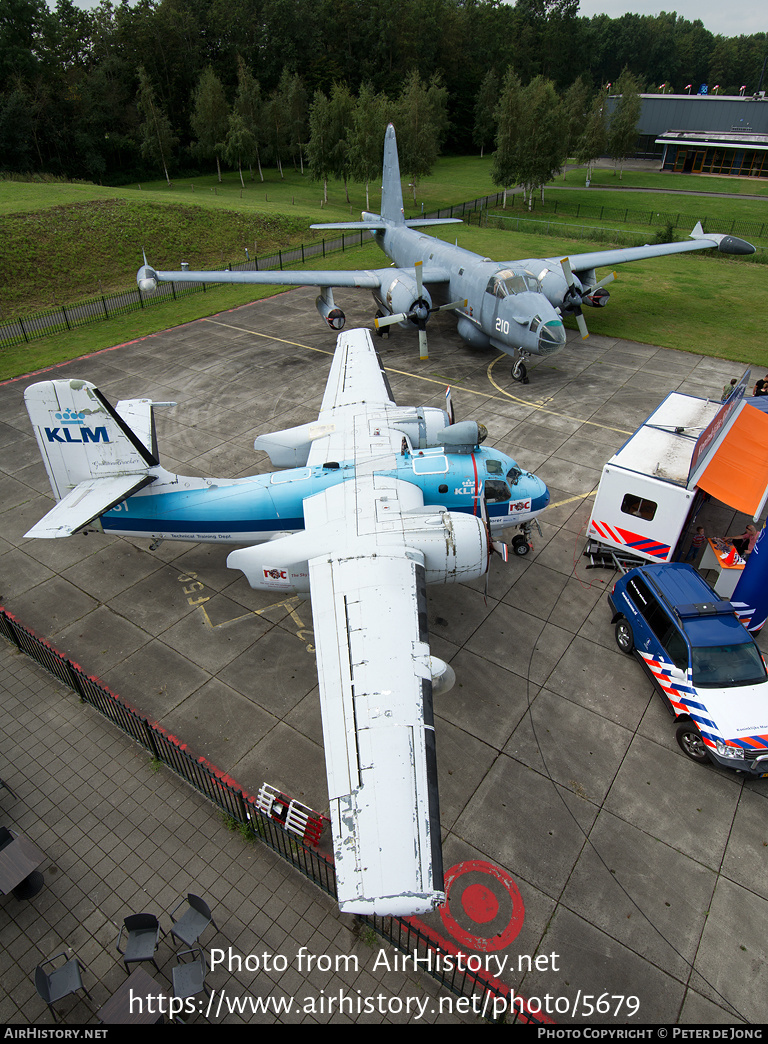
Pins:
x,y
572,299
494,546
419,313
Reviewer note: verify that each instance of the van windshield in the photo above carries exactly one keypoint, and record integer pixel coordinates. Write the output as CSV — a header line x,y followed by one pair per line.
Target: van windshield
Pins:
x,y
722,666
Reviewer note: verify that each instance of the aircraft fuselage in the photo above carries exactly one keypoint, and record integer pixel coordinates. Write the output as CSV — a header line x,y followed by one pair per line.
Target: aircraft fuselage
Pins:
x,y
506,308
258,508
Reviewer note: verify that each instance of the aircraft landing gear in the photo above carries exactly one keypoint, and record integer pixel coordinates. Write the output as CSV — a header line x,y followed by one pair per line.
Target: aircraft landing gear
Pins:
x,y
519,369
522,543
380,331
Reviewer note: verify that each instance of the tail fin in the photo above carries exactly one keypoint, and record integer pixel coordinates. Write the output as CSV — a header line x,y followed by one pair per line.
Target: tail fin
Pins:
x,y
93,458
391,188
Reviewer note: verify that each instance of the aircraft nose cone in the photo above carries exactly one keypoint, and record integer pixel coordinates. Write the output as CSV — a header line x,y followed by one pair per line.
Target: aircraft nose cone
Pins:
x,y
551,337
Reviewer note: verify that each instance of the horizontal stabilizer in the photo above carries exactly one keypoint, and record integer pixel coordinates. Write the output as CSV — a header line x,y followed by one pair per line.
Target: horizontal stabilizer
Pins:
x,y
86,502
424,222
353,226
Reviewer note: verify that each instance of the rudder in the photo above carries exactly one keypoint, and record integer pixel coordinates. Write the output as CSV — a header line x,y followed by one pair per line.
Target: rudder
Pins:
x,y
81,436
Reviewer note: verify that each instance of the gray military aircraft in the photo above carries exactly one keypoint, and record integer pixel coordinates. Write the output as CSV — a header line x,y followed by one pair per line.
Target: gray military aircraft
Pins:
x,y
515,306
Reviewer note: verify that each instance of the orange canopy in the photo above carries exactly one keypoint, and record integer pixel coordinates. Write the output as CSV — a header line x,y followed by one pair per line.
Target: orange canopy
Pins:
x,y
737,475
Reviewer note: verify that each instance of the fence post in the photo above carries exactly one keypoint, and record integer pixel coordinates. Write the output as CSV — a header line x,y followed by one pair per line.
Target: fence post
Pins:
x,y
64,313
104,306
21,324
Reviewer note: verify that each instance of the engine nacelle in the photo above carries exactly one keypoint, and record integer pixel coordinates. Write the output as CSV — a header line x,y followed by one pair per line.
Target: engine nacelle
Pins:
x,y
328,310
453,548
288,448
424,425
402,295
443,676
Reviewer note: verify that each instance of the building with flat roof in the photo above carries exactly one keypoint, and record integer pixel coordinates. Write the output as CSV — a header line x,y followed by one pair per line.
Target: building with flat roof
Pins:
x,y
705,133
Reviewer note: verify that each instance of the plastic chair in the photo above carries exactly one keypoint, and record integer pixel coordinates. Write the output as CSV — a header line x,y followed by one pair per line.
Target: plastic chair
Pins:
x,y
191,925
143,935
61,981
189,976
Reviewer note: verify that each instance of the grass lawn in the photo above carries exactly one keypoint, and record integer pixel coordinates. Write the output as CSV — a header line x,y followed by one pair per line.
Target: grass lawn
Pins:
x,y
65,242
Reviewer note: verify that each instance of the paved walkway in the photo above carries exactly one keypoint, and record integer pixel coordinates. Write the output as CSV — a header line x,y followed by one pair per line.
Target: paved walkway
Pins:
x,y
120,837
561,786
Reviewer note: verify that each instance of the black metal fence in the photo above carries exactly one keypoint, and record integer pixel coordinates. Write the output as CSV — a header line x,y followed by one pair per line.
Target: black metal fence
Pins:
x,y
654,218
487,997
108,306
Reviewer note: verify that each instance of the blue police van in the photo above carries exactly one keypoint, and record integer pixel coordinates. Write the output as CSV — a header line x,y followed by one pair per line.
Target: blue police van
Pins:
x,y
703,661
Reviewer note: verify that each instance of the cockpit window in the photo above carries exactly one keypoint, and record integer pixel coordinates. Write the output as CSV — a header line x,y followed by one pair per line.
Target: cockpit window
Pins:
x,y
493,467
507,282
496,491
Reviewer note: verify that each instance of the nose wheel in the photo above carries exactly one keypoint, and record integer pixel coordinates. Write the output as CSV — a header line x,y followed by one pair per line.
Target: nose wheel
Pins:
x,y
521,542
519,369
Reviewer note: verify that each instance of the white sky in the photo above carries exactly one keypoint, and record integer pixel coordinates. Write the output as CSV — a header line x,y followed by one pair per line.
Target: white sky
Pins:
x,y
735,19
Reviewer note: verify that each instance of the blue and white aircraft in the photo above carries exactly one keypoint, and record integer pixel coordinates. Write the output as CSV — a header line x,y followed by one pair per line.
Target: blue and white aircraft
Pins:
x,y
376,502
515,306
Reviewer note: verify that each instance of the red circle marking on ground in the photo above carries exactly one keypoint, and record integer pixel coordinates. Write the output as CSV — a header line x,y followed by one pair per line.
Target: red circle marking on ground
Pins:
x,y
477,901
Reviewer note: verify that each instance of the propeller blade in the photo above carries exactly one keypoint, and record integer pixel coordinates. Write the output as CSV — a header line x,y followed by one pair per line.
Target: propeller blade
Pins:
x,y
566,266
423,349
606,279
574,294
501,549
449,405
388,320
419,285
451,304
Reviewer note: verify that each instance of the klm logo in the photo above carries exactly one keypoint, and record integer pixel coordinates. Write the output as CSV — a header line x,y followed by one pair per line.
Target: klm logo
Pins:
x,y
68,435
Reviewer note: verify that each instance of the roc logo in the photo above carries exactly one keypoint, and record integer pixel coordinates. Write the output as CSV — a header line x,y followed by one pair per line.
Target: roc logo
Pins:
x,y
275,574
67,434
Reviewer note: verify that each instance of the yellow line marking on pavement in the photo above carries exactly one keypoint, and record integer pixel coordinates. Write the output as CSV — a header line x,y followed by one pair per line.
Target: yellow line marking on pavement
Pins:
x,y
433,380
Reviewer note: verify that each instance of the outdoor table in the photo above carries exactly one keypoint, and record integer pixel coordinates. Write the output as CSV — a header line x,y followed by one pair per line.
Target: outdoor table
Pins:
x,y
728,576
18,861
140,986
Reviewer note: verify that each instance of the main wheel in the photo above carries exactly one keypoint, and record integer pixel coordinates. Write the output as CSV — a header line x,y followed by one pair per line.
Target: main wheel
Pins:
x,y
690,741
624,638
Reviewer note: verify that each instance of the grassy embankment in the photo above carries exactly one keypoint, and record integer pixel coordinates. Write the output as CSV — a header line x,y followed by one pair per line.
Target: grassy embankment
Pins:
x,y
61,243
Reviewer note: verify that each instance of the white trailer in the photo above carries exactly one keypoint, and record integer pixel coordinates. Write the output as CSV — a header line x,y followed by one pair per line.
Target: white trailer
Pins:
x,y
688,446
644,499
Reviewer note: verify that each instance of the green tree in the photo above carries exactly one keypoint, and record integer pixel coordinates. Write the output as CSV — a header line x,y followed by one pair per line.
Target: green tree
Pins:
x,y
248,107
542,142
593,140
319,148
210,118
240,145
485,105
504,170
366,143
342,109
622,131
157,138
421,125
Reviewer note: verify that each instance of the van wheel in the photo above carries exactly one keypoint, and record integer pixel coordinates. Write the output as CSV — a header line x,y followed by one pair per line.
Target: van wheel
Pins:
x,y
690,742
624,638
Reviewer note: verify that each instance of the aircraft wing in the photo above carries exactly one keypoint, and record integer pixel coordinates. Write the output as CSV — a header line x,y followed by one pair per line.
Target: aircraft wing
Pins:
x,y
369,614
365,279
698,241
357,388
